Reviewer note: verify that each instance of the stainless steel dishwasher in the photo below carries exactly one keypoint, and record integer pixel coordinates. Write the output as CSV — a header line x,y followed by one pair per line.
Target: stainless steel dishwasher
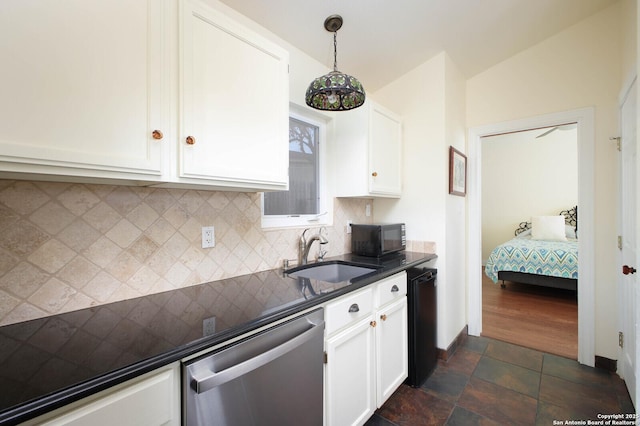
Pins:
x,y
272,378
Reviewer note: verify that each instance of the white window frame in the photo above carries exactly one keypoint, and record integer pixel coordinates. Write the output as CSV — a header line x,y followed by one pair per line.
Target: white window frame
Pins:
x,y
325,217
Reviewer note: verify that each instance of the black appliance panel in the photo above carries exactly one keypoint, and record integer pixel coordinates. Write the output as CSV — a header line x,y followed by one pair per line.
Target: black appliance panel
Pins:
x,y
377,240
422,317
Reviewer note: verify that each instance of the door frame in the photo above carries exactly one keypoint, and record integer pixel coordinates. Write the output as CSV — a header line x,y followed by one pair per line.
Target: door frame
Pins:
x,y
622,371
584,117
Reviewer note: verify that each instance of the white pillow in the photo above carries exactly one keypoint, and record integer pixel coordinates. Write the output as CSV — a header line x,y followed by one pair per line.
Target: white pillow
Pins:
x,y
550,228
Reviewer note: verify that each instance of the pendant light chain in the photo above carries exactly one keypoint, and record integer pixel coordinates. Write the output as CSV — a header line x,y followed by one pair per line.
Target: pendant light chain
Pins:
x,y
335,51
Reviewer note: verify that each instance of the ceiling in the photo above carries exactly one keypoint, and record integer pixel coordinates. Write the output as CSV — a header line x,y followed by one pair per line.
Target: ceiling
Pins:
x,y
383,39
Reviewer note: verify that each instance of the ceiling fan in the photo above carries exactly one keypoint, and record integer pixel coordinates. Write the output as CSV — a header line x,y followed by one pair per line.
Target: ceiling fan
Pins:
x,y
569,126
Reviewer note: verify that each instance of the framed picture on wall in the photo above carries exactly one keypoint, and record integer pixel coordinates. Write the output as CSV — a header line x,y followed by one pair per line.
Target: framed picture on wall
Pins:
x,y
457,172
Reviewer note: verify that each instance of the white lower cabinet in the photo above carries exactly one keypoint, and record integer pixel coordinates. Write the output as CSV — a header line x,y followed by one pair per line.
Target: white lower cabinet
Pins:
x,y
366,346
151,400
391,349
350,375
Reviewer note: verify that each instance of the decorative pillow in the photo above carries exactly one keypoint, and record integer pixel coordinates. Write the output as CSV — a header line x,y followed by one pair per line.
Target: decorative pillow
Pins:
x,y
570,232
550,228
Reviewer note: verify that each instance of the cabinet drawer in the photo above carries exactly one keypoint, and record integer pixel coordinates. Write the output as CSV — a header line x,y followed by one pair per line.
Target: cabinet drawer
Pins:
x,y
152,399
348,310
391,288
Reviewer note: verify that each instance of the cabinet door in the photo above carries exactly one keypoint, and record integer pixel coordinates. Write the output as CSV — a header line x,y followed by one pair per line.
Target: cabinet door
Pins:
x,y
235,103
391,349
368,162
349,376
82,87
153,400
385,152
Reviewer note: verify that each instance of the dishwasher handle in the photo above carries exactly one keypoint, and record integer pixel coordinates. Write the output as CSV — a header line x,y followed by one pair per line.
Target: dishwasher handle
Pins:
x,y
425,276
201,385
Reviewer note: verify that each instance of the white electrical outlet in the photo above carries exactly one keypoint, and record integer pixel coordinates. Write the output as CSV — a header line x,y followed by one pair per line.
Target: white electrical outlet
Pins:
x,y
349,222
209,326
208,237
367,210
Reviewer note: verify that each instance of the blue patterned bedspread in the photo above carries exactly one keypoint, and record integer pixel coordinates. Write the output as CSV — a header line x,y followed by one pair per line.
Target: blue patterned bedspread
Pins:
x,y
553,258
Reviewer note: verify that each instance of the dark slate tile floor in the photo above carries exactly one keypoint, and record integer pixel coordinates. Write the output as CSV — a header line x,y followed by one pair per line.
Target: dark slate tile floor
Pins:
x,y
488,382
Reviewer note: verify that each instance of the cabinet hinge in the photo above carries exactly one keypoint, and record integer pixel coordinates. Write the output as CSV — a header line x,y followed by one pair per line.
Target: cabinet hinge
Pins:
x,y
618,143
325,357
621,339
619,242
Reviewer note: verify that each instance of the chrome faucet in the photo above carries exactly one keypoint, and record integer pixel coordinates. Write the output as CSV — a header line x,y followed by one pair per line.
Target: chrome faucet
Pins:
x,y
304,245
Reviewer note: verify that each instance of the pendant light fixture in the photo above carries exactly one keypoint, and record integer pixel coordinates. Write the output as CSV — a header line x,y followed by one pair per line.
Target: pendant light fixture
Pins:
x,y
335,91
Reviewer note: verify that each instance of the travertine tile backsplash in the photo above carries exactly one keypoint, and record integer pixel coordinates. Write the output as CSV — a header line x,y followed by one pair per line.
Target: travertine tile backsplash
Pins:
x,y
67,246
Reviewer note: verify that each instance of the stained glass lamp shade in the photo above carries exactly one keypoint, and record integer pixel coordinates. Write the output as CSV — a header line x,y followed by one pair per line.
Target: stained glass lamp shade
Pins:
x,y
335,91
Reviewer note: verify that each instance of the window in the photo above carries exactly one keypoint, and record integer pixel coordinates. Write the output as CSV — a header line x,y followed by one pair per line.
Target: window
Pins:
x,y
304,203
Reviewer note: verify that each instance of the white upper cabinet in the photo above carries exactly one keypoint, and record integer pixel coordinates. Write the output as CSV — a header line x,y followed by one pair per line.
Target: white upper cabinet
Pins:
x,y
150,92
82,88
234,109
368,150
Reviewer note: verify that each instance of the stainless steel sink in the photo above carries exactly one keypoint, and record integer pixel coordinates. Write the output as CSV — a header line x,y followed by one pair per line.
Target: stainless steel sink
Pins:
x,y
333,272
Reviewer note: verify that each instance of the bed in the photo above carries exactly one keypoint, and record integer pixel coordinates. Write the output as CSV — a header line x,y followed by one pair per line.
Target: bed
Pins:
x,y
538,256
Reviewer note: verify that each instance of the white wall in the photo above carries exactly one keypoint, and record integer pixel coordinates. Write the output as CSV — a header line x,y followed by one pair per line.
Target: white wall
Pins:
x,y
430,100
579,67
455,307
419,98
629,39
524,176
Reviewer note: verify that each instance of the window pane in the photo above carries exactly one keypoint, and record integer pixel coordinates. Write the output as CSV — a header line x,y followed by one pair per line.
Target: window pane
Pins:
x,y
302,197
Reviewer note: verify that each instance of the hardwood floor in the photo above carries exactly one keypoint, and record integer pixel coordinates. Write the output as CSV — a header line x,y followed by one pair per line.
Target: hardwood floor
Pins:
x,y
539,318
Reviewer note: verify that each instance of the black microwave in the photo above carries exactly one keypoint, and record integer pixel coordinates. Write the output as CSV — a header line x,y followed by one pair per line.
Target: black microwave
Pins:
x,y
378,239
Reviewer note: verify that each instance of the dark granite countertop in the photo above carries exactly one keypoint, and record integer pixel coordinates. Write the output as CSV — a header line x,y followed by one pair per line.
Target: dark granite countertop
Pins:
x,y
49,362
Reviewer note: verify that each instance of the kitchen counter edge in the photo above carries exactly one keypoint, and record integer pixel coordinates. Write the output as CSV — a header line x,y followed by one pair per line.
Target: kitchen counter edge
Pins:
x,y
47,403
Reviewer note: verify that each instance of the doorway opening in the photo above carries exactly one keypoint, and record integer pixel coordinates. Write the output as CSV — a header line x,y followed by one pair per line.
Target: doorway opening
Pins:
x,y
526,174
584,119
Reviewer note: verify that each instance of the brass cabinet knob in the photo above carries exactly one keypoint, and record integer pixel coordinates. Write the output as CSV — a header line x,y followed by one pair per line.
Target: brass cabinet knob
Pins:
x,y
191,140
373,324
157,135
374,174
383,317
